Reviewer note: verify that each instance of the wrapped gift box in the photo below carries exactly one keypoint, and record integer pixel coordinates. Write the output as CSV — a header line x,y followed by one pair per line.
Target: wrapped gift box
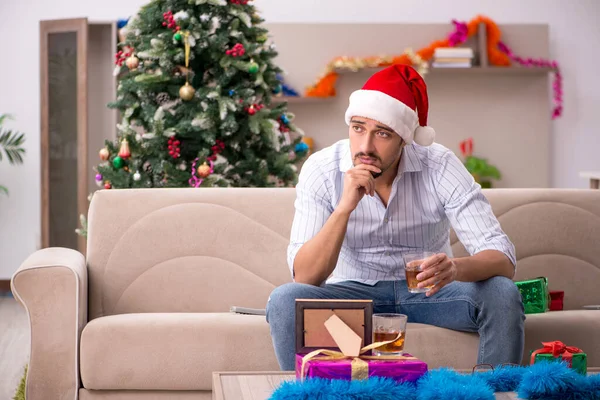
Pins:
x,y
557,351
535,295
556,300
404,370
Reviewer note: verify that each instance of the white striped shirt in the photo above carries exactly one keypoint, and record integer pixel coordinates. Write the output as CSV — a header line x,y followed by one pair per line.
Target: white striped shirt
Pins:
x,y
432,192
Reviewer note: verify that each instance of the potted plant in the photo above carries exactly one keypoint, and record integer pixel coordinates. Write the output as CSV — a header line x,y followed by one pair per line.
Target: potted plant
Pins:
x,y
482,171
11,146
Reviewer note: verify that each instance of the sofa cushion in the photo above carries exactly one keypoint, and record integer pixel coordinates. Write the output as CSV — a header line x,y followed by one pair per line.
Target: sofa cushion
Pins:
x,y
573,327
172,351
440,347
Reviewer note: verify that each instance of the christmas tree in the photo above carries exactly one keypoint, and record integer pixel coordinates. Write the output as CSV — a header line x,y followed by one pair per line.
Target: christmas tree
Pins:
x,y
196,88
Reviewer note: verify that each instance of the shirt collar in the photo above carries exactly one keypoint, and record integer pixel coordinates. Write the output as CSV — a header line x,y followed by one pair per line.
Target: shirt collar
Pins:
x,y
409,162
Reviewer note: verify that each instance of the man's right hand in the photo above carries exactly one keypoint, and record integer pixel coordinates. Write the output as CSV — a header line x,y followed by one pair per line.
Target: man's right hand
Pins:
x,y
357,182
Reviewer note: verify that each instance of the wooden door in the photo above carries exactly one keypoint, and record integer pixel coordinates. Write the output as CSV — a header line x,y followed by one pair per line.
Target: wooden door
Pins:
x,y
64,130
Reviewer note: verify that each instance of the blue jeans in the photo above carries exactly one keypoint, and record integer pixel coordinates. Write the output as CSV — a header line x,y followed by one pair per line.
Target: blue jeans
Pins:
x,y
493,308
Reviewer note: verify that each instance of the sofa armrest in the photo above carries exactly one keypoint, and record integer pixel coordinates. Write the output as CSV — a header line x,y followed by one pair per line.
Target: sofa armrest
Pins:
x,y
52,286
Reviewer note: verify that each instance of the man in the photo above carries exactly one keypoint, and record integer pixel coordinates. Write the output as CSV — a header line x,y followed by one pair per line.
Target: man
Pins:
x,y
385,191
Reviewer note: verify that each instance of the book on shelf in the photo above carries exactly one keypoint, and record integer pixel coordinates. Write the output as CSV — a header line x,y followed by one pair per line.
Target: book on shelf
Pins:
x,y
453,57
453,52
437,64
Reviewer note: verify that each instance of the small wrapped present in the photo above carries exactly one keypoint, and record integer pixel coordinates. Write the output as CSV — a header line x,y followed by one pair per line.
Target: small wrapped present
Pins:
x,y
535,295
558,351
556,300
404,368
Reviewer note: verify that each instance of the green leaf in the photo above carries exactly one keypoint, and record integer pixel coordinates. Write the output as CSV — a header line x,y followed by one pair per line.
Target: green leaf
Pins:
x,y
245,18
241,65
202,122
12,142
254,125
222,108
159,115
150,78
129,111
225,62
5,116
229,103
268,124
4,190
492,172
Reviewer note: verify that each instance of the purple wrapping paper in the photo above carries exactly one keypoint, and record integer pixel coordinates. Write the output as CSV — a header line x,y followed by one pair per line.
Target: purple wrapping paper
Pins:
x,y
400,370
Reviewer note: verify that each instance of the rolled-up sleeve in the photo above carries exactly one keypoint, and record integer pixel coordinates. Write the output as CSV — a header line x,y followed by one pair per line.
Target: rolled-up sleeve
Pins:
x,y
313,207
469,211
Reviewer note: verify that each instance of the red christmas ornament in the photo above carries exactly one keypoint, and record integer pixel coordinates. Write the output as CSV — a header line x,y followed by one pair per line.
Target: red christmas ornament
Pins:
x,y
169,21
107,185
123,55
217,148
254,108
240,2
237,51
124,151
173,146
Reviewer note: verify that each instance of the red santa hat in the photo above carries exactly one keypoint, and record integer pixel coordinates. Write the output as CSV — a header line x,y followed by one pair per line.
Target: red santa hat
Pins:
x,y
397,97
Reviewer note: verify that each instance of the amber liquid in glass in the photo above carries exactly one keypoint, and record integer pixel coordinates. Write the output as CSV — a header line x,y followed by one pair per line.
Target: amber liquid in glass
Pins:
x,y
412,282
394,347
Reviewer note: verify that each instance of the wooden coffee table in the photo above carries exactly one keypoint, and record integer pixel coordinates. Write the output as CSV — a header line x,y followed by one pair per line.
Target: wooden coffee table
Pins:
x,y
247,385
260,385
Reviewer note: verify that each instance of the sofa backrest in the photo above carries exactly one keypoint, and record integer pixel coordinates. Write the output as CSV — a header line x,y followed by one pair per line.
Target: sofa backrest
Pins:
x,y
204,250
556,233
186,250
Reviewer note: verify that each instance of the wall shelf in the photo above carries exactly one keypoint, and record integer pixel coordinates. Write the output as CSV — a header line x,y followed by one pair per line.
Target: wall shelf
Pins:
x,y
512,70
299,99
492,70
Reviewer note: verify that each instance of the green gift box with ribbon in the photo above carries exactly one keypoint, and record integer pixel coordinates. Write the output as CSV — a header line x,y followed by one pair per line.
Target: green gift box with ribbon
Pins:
x,y
557,351
535,295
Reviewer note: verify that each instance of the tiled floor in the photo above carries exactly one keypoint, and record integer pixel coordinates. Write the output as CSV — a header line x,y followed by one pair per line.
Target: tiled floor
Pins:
x,y
14,344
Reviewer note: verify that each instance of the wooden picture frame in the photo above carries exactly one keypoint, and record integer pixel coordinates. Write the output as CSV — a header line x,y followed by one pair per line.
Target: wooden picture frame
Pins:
x,y
311,314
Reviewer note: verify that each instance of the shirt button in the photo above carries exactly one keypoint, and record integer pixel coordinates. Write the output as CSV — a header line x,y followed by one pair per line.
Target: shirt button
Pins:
x,y
387,253
386,220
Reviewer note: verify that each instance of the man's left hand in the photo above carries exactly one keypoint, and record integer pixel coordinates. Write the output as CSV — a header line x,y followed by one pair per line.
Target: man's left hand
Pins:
x,y
438,270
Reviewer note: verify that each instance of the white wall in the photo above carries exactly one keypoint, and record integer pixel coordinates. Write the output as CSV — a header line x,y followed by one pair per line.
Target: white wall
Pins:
x,y
574,37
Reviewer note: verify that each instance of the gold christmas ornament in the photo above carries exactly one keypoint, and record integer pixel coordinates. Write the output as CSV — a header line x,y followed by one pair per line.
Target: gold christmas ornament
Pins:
x,y
124,151
204,170
104,154
132,62
186,92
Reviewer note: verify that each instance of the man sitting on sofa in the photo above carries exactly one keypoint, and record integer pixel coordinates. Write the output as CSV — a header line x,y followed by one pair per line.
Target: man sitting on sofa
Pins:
x,y
365,201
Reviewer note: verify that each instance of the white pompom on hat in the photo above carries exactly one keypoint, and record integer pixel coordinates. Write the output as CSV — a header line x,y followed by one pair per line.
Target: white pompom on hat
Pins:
x,y
397,97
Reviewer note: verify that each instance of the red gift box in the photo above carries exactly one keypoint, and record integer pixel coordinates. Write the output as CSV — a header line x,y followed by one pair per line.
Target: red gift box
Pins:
x,y
556,300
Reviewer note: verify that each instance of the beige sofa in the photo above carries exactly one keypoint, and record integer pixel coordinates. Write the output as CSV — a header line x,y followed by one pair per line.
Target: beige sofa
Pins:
x,y
146,314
